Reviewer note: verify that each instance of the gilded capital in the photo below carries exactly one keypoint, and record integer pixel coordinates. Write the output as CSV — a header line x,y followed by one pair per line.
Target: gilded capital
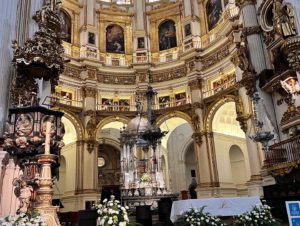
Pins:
x,y
89,92
242,3
195,84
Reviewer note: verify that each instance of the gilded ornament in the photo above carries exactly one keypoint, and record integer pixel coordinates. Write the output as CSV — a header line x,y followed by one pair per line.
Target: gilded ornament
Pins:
x,y
252,30
241,58
197,137
242,118
283,19
291,49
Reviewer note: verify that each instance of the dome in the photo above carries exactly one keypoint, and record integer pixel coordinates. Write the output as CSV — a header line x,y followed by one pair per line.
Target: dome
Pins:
x,y
137,124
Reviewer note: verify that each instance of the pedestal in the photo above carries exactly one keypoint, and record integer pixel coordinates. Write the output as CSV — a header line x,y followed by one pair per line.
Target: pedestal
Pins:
x,y
45,191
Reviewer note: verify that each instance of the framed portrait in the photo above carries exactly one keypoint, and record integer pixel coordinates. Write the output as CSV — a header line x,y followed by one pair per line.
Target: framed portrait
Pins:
x,y
164,101
187,30
213,12
167,35
141,42
91,38
115,39
66,26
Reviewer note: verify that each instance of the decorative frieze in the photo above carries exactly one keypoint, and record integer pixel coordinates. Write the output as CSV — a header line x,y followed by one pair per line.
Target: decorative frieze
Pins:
x,y
168,75
216,57
72,72
116,79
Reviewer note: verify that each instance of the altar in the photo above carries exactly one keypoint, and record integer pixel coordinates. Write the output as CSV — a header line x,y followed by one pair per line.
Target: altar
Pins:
x,y
221,207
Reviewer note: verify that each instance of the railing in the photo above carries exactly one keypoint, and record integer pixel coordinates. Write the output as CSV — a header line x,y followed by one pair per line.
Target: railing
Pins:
x,y
107,107
283,153
175,103
220,88
61,100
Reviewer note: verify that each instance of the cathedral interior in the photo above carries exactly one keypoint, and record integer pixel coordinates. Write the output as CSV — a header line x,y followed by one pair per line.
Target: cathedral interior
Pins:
x,y
215,82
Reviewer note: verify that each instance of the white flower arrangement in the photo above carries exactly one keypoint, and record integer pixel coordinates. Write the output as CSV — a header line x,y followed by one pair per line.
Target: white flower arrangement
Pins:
x,y
112,213
260,215
146,178
195,217
23,220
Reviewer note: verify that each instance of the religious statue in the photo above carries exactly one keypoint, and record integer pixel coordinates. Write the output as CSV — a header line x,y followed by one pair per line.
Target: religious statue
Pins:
x,y
283,19
24,125
291,86
241,58
25,192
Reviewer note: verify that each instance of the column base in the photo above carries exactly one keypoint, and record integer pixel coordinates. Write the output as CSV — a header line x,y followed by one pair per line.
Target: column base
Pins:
x,y
50,215
255,187
224,190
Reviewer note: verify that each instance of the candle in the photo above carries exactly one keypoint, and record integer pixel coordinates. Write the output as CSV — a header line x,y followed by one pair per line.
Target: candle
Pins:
x,y
48,137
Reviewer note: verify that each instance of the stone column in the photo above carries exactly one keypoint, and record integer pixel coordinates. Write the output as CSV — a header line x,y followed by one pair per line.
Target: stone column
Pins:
x,y
254,51
89,156
206,169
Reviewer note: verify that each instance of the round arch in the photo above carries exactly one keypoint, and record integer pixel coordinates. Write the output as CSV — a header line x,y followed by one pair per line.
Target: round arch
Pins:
x,y
110,119
111,142
161,119
75,121
208,120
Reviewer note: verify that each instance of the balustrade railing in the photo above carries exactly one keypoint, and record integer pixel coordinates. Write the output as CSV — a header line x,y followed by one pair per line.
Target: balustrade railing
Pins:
x,y
53,100
284,152
112,107
220,88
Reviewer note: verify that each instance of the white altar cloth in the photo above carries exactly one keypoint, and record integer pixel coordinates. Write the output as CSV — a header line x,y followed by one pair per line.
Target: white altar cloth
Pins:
x,y
215,206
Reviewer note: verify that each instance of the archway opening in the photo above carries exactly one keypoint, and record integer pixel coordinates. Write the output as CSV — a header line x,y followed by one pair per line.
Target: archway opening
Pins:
x,y
228,134
178,152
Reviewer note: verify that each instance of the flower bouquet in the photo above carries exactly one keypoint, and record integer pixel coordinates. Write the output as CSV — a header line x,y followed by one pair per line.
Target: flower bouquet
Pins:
x,y
195,217
23,220
259,216
112,213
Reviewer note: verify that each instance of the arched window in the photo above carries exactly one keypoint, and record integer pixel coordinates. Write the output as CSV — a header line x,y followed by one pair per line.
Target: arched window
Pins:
x,y
214,9
167,35
115,39
66,26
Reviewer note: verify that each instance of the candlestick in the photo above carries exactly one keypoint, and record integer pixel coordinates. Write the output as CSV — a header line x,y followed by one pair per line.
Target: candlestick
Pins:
x,y
48,137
